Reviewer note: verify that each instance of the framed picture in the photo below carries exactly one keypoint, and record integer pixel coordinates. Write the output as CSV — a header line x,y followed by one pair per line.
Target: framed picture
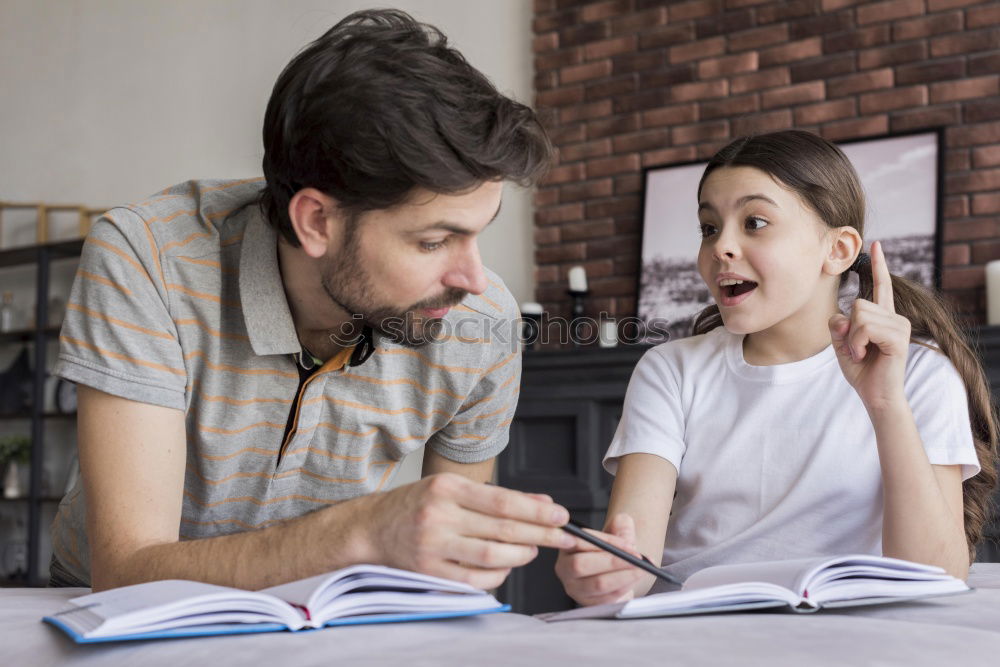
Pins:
x,y
901,175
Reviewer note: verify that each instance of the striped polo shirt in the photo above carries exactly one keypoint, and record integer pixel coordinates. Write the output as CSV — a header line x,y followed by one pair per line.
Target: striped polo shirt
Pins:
x,y
179,302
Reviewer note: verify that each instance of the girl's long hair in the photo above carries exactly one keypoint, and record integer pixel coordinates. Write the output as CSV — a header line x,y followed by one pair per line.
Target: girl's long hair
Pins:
x,y
824,178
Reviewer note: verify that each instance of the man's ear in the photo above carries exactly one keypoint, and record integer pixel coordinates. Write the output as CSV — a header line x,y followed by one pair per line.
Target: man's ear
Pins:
x,y
316,220
845,244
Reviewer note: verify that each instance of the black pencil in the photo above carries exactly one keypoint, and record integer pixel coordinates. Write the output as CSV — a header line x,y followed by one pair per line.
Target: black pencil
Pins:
x,y
643,563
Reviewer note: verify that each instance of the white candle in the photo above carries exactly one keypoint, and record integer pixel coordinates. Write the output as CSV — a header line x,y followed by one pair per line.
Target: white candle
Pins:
x,y
531,308
993,292
578,279
608,335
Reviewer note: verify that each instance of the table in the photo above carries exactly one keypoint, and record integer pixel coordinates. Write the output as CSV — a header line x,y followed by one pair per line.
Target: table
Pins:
x,y
963,630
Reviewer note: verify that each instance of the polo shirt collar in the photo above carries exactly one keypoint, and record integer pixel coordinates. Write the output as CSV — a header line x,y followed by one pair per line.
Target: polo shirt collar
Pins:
x,y
262,293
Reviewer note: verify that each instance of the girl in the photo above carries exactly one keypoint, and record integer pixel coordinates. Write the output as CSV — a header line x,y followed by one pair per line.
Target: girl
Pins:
x,y
759,439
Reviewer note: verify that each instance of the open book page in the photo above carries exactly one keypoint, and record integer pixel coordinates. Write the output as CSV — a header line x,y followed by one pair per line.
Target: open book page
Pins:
x,y
157,605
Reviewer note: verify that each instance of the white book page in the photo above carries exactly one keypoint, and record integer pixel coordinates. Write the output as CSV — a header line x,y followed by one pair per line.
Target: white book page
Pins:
x,y
785,573
707,598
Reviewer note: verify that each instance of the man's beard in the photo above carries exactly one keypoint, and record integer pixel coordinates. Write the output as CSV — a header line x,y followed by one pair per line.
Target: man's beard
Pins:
x,y
347,284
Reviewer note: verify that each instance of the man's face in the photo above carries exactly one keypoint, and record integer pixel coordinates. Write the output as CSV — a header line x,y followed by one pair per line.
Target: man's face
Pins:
x,y
400,270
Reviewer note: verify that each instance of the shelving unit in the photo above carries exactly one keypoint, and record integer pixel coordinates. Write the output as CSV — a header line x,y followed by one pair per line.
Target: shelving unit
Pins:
x,y
42,256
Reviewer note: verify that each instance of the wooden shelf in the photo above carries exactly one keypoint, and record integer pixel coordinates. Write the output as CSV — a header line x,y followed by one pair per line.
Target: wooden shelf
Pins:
x,y
29,254
25,335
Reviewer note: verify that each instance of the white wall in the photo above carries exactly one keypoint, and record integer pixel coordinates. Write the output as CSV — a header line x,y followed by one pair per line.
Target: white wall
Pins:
x,y
107,101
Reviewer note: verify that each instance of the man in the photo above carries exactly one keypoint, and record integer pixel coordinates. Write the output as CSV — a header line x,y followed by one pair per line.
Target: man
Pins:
x,y
255,357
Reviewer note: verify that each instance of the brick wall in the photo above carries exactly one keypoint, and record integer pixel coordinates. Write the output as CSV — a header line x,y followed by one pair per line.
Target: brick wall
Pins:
x,y
627,84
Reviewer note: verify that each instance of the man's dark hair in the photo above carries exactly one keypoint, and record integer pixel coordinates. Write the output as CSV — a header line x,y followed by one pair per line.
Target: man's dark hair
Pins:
x,y
379,105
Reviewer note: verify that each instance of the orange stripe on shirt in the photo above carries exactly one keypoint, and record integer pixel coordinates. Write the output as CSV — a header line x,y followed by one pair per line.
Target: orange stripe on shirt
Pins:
x,y
206,262
502,363
372,408
115,355
184,242
413,383
241,371
104,281
173,287
230,241
121,253
428,362
207,329
257,501
116,321
235,431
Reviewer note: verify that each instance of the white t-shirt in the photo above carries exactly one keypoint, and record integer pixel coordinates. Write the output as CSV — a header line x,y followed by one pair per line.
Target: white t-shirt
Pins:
x,y
775,461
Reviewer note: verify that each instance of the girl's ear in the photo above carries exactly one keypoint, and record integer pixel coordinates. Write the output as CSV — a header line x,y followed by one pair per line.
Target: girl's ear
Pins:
x,y
845,244
315,218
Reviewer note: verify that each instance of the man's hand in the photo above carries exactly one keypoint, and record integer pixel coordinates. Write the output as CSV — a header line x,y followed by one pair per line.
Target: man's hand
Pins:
x,y
449,526
593,576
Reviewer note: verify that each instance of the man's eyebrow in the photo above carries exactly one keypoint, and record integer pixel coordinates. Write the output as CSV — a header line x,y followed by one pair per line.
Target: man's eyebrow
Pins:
x,y
742,201
457,229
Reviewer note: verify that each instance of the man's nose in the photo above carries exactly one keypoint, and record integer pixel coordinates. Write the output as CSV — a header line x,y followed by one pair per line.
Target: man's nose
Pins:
x,y
467,272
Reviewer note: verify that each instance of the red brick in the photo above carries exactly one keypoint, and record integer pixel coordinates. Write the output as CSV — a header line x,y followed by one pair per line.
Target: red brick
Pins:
x,y
582,34
855,128
642,61
553,21
686,92
956,206
612,126
889,10
728,65
907,52
547,235
610,87
724,24
668,156
560,253
612,248
663,77
546,80
987,63
783,11
559,97
957,160
707,149
832,5
563,174
694,50
585,72
965,42
735,4
546,196
647,99
813,114
824,24
608,166
627,184
980,110
582,151
730,106
587,230
985,252
799,93
768,78
955,254
642,141
941,5
609,47
758,37
762,122
786,53
635,21
672,115
965,89
982,16
968,230
857,39
668,35
986,156
575,192
690,134
544,6
600,268
824,68
922,117
547,42
611,208
986,203
558,59
567,134
585,111
935,70
557,214
546,274
926,26
973,135
963,278
973,181
599,11
859,83
614,286
889,100
694,9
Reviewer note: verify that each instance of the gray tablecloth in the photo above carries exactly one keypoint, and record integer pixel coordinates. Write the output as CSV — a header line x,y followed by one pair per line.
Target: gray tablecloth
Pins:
x,y
962,630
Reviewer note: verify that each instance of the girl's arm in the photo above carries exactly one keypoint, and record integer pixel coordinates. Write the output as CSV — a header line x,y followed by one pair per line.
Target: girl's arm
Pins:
x,y
922,515
641,498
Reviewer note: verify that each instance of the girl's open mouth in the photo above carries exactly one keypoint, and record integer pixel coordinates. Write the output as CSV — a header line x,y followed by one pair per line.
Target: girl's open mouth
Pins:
x,y
734,292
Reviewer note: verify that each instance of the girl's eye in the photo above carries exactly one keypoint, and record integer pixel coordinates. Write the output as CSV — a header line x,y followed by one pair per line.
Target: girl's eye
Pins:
x,y
707,230
431,246
754,223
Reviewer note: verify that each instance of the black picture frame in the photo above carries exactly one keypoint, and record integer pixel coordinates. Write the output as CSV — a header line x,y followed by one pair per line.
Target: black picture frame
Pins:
x,y
669,289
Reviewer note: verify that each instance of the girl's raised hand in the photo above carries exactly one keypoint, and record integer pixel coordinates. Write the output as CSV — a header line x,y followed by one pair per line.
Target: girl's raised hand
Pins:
x,y
873,343
593,576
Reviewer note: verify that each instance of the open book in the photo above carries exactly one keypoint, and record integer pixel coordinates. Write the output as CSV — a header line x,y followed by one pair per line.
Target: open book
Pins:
x,y
353,595
803,585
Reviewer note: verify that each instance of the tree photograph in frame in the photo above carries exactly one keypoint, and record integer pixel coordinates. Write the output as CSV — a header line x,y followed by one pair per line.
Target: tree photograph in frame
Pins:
x,y
901,178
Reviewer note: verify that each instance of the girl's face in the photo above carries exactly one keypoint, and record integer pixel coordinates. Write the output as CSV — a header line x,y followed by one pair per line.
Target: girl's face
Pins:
x,y
762,253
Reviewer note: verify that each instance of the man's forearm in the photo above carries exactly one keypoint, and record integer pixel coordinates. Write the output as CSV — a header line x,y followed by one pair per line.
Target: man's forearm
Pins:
x,y
286,551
